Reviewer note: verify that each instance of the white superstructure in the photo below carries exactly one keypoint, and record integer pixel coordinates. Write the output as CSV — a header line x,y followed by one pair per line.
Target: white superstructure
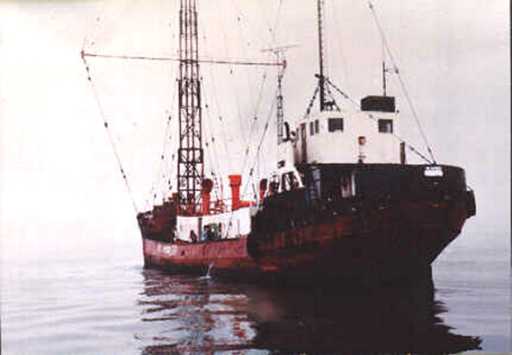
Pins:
x,y
229,225
348,137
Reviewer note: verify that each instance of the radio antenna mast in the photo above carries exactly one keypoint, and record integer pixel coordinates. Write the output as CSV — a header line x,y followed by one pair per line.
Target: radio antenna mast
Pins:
x,y
281,61
322,77
190,152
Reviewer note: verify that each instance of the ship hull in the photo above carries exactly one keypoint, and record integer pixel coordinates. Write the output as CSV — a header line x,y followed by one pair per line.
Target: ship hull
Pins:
x,y
387,243
392,224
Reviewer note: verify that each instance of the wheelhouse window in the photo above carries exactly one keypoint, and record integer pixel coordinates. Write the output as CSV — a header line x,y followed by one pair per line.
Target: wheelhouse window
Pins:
x,y
317,126
311,128
385,126
335,124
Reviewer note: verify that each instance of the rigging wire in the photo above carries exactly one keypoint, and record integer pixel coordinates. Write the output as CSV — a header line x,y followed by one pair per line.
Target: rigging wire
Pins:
x,y
212,154
223,128
232,62
98,18
163,161
251,172
241,121
219,117
233,91
401,81
255,117
311,102
259,96
210,161
167,173
109,134
85,54
339,45
273,29
240,15
163,158
166,167
175,59
247,150
242,38
219,172
265,130
329,92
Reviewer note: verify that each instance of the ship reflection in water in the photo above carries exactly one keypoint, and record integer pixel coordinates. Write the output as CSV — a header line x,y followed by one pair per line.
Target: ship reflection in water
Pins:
x,y
190,314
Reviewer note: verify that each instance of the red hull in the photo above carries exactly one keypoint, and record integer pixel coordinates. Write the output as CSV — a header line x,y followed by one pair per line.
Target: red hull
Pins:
x,y
385,242
225,255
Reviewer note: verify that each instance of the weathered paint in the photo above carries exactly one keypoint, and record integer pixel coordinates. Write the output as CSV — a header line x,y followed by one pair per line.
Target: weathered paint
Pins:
x,y
228,253
388,240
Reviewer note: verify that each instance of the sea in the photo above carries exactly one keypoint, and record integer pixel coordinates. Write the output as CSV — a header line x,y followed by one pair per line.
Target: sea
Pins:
x,y
94,305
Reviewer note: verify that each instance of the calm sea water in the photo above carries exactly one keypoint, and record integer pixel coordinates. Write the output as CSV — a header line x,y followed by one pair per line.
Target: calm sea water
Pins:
x,y
114,306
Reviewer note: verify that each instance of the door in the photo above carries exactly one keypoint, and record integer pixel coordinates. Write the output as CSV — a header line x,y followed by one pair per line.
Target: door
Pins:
x,y
304,148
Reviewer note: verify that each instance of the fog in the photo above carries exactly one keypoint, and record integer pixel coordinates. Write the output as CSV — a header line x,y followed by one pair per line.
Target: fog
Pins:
x,y
61,193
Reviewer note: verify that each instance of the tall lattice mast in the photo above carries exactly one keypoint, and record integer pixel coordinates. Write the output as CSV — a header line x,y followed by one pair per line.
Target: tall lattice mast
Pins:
x,y
190,153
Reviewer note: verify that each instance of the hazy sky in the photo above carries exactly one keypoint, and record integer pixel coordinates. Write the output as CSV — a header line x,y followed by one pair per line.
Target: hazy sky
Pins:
x,y
58,176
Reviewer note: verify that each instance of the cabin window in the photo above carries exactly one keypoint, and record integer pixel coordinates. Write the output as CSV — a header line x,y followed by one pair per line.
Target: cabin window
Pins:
x,y
335,124
311,128
317,126
385,126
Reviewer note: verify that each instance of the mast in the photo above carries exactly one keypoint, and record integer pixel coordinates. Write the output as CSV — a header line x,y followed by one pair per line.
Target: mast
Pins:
x,y
384,71
280,109
190,152
279,53
321,77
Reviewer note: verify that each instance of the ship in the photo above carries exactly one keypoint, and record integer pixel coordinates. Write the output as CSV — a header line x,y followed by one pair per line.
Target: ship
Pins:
x,y
341,203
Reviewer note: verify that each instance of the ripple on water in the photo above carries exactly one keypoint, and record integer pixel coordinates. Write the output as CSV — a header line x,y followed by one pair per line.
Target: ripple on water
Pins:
x,y
126,310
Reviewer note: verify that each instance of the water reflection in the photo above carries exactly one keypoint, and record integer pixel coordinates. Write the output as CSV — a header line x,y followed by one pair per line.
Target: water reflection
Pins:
x,y
188,314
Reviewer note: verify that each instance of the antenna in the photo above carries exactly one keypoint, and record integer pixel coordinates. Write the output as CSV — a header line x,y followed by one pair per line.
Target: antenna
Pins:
x,y
279,53
323,80
321,77
190,152
384,70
